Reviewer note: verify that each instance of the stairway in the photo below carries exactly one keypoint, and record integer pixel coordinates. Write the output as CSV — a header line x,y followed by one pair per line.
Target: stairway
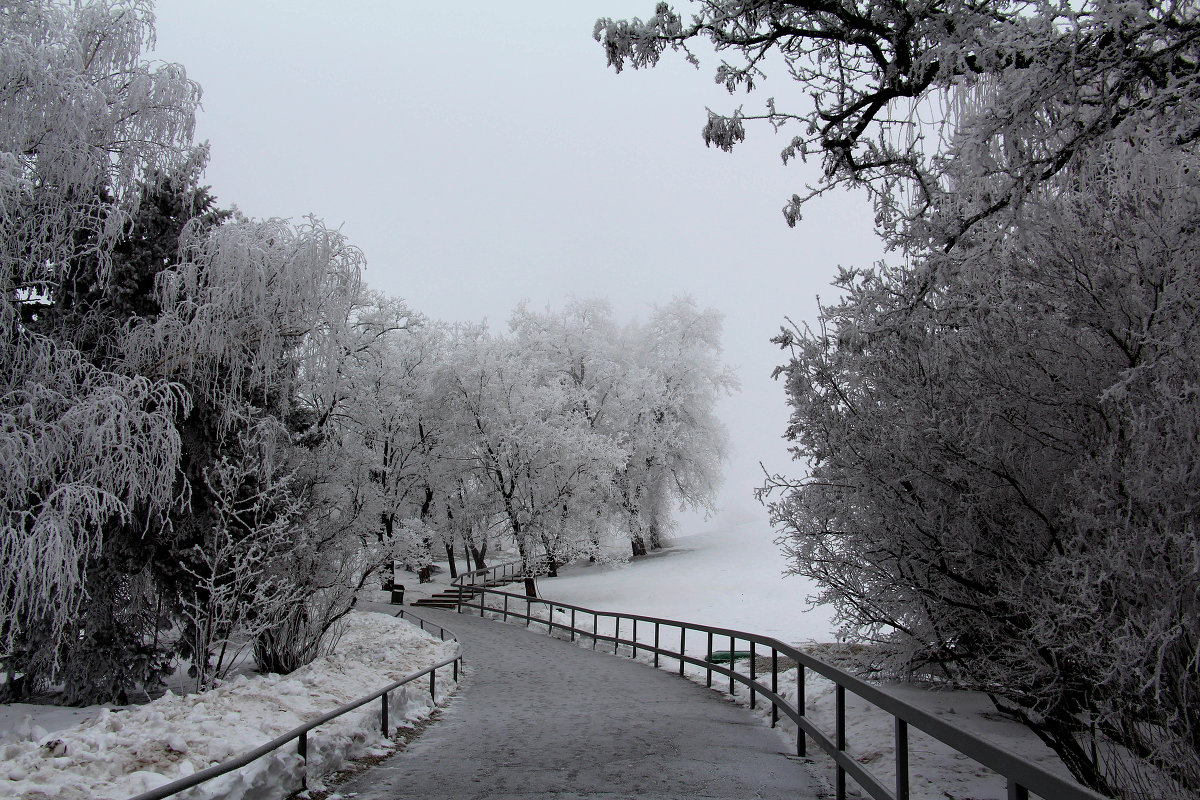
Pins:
x,y
449,598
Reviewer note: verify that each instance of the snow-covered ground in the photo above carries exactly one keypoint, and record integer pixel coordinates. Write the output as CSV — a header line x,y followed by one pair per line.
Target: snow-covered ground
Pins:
x,y
727,575
730,575
106,753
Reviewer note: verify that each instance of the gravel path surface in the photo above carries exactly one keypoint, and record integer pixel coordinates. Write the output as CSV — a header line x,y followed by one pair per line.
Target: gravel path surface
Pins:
x,y
537,717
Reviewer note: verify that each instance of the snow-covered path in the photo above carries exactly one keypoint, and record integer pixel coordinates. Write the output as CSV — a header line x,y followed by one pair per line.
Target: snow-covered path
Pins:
x,y
537,717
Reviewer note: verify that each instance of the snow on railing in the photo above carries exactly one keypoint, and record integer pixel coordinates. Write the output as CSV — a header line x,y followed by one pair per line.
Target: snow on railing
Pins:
x,y
1021,775
300,733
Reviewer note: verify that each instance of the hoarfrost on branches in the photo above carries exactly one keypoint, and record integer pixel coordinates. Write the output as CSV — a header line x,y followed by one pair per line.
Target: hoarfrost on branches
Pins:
x,y
945,111
82,120
999,429
79,446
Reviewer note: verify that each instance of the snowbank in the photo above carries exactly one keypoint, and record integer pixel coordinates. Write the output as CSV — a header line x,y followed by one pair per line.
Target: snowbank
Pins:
x,y
119,754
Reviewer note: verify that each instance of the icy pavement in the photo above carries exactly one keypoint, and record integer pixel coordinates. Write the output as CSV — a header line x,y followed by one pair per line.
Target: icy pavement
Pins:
x,y
537,717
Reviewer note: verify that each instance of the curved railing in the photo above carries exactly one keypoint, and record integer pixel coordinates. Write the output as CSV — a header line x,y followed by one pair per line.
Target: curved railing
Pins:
x,y
300,733
1021,775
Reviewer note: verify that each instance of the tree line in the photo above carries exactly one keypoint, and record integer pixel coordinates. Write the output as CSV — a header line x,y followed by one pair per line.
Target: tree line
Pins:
x,y
213,432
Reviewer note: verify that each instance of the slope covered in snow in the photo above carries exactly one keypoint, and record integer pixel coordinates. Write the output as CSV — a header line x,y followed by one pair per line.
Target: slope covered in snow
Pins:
x,y
120,753
729,575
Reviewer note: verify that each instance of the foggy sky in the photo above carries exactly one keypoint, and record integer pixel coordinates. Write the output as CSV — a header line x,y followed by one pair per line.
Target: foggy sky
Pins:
x,y
481,154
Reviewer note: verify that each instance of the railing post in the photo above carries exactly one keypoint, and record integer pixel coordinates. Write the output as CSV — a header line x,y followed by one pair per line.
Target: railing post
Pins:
x,y
302,751
682,640
732,664
595,628
774,686
433,686
456,669
1016,791
901,759
383,713
801,745
656,645
506,608
753,694
839,727
572,624
634,637
528,611
708,681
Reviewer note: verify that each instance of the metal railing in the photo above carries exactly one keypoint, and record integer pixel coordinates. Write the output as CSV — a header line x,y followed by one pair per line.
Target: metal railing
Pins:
x,y
1022,776
500,573
300,733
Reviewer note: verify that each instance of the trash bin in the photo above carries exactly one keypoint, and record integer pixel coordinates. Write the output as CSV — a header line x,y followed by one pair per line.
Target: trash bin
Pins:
x,y
397,589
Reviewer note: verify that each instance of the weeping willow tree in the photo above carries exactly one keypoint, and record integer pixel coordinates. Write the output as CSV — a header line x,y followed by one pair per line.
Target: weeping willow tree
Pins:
x,y
84,120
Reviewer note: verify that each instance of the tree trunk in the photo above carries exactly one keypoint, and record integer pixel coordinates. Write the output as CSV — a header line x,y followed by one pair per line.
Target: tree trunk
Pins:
x,y
478,556
656,541
530,587
551,561
450,558
639,546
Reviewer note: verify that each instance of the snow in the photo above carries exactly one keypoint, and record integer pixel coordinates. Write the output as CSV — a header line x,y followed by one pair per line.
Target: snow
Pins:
x,y
120,753
731,576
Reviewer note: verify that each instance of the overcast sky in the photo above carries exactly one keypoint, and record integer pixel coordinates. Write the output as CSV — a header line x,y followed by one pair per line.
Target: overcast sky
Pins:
x,y
481,154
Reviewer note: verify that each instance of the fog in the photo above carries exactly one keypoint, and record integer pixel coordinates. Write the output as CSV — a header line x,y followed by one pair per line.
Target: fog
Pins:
x,y
482,154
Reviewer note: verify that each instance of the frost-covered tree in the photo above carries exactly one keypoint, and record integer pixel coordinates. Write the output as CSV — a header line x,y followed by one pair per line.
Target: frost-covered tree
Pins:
x,y
268,326
135,582
993,428
83,120
402,424
530,446
883,87
676,445
974,498
649,388
239,589
584,349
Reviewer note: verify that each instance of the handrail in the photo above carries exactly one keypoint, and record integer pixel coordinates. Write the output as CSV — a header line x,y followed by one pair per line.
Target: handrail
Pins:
x,y
300,733
513,570
1022,776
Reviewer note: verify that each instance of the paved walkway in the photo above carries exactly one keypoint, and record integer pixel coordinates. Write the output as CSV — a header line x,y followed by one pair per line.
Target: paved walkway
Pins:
x,y
537,717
